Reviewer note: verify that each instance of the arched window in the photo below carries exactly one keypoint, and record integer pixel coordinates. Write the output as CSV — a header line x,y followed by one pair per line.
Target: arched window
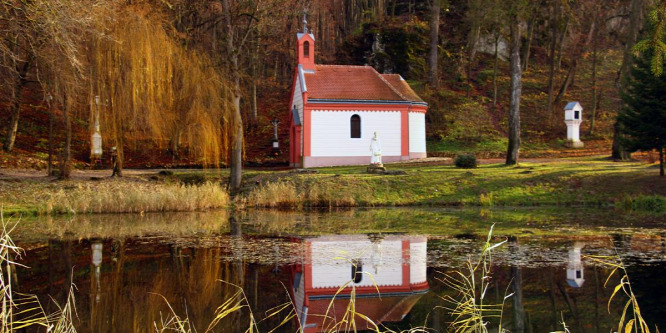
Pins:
x,y
357,270
355,125
306,49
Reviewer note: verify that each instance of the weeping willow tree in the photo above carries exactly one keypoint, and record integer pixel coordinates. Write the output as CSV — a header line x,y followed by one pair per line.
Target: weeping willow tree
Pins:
x,y
152,87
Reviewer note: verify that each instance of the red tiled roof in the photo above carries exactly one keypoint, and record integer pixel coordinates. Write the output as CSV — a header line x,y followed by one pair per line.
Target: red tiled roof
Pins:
x,y
402,87
356,83
379,310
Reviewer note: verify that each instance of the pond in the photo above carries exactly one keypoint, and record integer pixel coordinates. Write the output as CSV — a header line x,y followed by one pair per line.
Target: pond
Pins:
x,y
290,270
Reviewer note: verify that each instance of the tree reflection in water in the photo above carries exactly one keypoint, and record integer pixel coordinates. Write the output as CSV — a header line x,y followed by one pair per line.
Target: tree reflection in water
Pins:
x,y
119,279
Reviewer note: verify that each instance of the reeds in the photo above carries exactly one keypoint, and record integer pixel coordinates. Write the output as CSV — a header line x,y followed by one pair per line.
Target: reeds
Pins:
x,y
470,309
136,198
631,319
289,195
23,310
232,305
278,194
11,318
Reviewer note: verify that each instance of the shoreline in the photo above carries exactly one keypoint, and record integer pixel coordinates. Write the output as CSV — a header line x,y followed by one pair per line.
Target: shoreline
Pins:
x,y
571,182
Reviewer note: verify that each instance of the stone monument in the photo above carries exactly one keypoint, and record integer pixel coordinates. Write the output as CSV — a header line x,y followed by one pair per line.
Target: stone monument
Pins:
x,y
376,165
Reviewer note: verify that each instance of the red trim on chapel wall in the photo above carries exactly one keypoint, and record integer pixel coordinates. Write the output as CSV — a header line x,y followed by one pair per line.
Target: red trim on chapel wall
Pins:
x,y
418,108
404,132
405,263
307,128
307,274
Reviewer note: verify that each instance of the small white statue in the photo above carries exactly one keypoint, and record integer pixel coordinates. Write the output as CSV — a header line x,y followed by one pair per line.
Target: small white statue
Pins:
x,y
375,150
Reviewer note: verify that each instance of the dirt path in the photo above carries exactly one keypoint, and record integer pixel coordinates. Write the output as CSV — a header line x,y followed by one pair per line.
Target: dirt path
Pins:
x,y
85,174
40,175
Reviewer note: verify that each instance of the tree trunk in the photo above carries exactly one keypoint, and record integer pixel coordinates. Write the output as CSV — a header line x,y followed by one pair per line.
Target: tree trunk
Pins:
x,y
174,144
567,81
530,33
574,63
433,76
51,119
517,299
235,169
516,87
120,152
475,13
12,127
594,86
551,73
635,24
235,172
17,93
495,64
65,167
618,152
661,161
560,44
253,100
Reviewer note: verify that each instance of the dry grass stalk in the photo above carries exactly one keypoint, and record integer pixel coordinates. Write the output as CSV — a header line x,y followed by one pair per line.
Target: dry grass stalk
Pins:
x,y
470,310
286,194
62,321
137,199
279,194
20,311
232,305
631,319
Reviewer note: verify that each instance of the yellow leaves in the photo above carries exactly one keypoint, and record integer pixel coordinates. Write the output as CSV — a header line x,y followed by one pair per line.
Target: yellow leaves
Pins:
x,y
154,85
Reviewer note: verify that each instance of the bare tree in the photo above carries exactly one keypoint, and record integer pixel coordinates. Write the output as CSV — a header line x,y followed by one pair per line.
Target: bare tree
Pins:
x,y
236,36
555,8
579,49
635,24
534,12
433,73
16,60
42,42
516,86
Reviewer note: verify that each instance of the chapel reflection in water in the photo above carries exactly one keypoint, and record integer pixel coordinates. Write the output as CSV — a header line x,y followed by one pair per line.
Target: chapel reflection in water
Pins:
x,y
385,274
120,282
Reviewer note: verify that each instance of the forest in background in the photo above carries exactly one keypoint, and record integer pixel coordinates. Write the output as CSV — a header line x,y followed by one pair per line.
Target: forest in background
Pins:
x,y
197,82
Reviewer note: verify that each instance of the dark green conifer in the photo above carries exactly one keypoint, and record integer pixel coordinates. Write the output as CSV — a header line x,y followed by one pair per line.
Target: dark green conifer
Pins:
x,y
643,119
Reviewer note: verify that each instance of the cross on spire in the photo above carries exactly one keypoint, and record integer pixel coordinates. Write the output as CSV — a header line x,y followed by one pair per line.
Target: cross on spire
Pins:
x,y
305,21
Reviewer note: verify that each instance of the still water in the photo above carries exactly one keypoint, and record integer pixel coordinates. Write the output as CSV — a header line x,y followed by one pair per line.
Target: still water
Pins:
x,y
135,273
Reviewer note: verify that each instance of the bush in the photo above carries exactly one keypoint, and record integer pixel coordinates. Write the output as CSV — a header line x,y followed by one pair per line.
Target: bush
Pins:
x,y
649,203
465,161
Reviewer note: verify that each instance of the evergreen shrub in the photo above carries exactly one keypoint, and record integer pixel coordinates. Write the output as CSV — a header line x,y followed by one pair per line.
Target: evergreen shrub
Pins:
x,y
465,161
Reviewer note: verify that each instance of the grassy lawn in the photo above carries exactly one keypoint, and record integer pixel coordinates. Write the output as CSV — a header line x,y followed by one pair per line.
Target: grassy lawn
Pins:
x,y
586,181
593,182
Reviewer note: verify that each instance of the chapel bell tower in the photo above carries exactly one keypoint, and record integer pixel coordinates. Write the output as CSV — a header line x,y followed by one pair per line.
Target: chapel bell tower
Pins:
x,y
305,47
